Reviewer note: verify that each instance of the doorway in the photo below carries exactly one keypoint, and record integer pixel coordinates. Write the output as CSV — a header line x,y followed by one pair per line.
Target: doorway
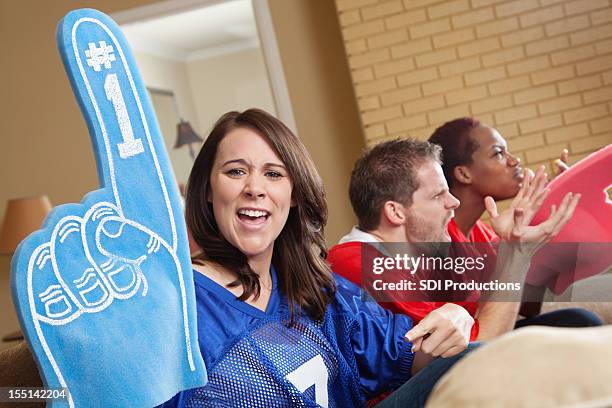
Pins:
x,y
202,58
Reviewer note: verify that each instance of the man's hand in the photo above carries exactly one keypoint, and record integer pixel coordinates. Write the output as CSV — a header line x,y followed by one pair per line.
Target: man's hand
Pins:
x,y
513,224
443,332
529,199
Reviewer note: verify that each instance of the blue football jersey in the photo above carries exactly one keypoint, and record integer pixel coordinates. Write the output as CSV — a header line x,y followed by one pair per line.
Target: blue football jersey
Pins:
x,y
256,359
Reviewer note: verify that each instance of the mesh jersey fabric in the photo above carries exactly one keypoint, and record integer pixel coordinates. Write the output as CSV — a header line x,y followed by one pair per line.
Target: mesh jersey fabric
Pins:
x,y
254,359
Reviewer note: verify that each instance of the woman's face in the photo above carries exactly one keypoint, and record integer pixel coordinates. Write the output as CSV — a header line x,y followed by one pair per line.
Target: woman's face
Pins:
x,y
250,191
494,170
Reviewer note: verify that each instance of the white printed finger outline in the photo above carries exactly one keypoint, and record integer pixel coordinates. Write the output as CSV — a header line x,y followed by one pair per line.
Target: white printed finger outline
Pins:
x,y
92,288
51,304
81,281
117,252
119,140
122,277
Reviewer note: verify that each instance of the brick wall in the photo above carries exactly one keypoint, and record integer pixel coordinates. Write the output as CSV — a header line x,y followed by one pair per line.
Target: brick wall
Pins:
x,y
540,71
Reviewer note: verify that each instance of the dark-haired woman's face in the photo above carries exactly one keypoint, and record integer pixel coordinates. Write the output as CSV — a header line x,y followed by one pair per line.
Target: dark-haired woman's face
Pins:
x,y
250,192
494,170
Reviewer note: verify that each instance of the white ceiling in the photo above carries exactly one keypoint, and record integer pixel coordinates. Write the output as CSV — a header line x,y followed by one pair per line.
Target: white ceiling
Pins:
x,y
196,34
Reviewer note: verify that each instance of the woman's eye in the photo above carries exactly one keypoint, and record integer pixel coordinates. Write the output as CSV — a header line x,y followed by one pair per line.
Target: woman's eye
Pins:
x,y
235,172
274,174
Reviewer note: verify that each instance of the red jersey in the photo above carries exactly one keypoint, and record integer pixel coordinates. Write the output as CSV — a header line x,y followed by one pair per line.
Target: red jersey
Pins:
x,y
481,232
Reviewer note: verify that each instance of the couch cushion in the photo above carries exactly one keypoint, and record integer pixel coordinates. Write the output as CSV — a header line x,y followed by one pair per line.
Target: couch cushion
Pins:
x,y
533,367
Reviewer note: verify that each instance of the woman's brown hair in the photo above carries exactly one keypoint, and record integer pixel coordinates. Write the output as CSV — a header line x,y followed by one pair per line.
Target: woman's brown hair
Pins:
x,y
299,251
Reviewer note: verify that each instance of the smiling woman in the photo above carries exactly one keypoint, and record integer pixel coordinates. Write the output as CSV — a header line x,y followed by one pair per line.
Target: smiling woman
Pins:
x,y
239,172
250,194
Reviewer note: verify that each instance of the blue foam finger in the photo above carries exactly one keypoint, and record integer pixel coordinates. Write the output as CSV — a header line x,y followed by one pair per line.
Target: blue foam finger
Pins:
x,y
104,291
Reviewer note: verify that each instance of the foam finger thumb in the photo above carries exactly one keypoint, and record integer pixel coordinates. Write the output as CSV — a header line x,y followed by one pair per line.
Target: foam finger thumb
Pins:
x,y
117,237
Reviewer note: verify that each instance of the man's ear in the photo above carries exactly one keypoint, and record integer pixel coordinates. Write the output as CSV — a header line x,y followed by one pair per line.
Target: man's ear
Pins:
x,y
394,213
462,174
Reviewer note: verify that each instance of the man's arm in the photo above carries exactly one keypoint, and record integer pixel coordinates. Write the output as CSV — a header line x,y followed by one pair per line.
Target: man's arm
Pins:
x,y
496,318
496,315
519,242
18,368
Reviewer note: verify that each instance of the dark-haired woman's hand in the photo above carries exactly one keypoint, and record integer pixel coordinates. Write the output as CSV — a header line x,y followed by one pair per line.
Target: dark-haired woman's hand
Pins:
x,y
561,163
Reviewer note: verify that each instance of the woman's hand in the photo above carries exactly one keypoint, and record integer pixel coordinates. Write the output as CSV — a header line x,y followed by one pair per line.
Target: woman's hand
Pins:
x,y
561,162
443,332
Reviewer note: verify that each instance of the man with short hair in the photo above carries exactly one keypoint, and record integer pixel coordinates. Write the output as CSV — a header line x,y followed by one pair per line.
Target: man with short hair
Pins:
x,y
399,194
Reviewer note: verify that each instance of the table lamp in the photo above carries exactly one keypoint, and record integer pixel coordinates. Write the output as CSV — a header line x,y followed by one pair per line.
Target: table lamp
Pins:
x,y
185,135
23,216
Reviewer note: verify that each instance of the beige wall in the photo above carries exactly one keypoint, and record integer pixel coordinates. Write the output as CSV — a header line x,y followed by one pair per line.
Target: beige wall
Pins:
x,y
539,71
236,81
323,100
44,147
204,90
168,75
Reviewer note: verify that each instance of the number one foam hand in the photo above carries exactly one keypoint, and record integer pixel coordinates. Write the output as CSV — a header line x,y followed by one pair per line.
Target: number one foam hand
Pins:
x,y
104,292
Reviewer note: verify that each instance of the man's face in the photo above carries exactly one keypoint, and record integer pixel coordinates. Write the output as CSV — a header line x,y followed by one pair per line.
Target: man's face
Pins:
x,y
432,206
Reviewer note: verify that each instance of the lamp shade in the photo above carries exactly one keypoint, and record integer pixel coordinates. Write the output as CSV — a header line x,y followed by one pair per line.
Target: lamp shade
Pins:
x,y
23,216
185,134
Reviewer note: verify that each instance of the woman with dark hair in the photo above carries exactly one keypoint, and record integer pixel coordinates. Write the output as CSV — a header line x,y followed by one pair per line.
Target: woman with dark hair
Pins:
x,y
480,170
477,164
276,327
304,223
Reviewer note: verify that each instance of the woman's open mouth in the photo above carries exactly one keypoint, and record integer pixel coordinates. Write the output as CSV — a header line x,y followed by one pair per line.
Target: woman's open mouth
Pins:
x,y
519,174
253,217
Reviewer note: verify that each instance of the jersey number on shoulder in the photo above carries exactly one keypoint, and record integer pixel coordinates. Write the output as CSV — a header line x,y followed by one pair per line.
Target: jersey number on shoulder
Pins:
x,y
312,372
